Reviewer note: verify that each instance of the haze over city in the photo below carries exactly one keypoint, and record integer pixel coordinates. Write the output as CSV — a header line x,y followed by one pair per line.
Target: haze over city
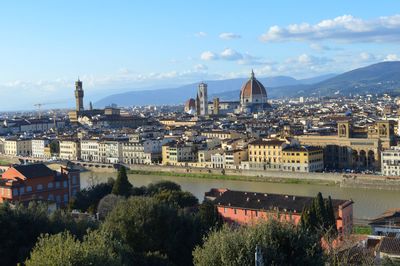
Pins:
x,y
131,46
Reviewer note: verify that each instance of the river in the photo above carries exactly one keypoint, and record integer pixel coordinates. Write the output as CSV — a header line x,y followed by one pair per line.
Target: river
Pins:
x,y
368,203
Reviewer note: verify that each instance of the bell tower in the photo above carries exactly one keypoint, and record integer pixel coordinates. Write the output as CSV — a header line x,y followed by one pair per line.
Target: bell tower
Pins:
x,y
79,95
344,129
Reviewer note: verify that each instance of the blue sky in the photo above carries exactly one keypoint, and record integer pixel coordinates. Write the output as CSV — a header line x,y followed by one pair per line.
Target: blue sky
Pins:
x,y
115,46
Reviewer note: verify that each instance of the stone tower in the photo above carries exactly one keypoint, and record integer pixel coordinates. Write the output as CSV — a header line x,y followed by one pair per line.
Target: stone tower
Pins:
x,y
202,100
79,95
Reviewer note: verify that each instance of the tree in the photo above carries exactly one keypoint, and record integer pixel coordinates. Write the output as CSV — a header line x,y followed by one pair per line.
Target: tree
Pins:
x,y
319,217
320,211
88,198
54,147
143,225
162,186
281,243
20,227
107,204
64,249
209,216
331,220
122,186
181,199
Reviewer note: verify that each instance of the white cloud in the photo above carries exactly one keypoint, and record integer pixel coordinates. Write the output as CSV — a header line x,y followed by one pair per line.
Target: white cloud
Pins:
x,y
208,55
344,28
392,57
200,34
200,67
230,54
229,36
364,56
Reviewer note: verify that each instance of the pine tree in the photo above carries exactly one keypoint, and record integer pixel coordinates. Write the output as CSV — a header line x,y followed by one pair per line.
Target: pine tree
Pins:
x,y
122,186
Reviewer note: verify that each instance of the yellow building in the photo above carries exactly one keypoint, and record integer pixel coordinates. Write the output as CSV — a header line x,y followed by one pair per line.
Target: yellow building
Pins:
x,y
302,159
174,153
70,149
265,154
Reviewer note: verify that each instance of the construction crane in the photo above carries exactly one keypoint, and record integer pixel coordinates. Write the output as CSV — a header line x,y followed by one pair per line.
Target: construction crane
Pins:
x,y
39,106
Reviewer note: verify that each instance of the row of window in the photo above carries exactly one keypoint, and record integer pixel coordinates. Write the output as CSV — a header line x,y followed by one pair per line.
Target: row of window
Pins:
x,y
245,212
39,187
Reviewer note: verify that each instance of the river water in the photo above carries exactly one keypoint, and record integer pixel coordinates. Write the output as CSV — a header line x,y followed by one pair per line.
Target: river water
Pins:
x,y
368,203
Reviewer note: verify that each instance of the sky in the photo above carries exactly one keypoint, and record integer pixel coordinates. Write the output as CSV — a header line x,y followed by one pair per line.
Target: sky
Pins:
x,y
115,46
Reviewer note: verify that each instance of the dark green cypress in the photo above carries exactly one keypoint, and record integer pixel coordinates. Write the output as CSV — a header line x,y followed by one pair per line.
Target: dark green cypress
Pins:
x,y
122,186
330,216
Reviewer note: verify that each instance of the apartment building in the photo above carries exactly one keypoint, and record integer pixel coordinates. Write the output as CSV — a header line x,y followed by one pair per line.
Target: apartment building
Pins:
x,y
70,149
38,148
90,150
17,147
302,159
390,161
176,153
265,154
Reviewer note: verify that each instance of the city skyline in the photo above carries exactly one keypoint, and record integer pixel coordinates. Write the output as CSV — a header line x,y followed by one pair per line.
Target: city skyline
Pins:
x,y
156,45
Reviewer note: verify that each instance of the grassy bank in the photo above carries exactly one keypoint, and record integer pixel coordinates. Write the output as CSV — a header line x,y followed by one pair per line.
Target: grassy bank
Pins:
x,y
233,177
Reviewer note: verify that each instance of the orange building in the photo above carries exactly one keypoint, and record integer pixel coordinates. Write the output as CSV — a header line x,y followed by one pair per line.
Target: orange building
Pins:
x,y
22,183
247,207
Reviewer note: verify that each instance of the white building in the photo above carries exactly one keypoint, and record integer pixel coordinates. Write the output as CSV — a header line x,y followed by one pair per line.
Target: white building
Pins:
x,y
90,150
38,147
390,162
111,151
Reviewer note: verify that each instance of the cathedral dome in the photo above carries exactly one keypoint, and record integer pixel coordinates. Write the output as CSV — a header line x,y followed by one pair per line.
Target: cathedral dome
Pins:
x,y
253,91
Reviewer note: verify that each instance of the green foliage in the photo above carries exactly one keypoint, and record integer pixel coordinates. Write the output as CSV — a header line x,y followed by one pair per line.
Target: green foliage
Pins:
x,y
21,226
54,147
88,198
280,243
162,186
107,204
209,216
64,249
122,186
181,199
144,225
319,217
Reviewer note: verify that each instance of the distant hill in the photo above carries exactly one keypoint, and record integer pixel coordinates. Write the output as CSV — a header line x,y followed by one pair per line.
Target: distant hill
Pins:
x,y
377,78
228,89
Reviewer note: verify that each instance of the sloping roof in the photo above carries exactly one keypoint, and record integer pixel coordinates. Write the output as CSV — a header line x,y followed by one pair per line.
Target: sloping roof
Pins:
x,y
34,170
267,201
389,245
390,217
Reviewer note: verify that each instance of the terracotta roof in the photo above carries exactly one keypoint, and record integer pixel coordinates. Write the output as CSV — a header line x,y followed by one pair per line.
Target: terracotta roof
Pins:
x,y
252,87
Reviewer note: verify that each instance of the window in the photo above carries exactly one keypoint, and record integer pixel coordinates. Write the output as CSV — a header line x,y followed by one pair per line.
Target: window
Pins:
x,y
65,198
74,179
234,211
50,185
39,187
50,197
15,191
21,190
256,213
58,198
65,184
28,189
245,212
57,184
